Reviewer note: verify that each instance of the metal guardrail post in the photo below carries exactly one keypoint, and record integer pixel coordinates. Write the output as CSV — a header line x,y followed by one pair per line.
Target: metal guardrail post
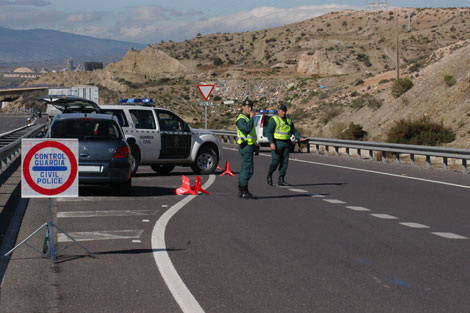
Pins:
x,y
397,158
445,161
464,166
359,154
412,159
428,161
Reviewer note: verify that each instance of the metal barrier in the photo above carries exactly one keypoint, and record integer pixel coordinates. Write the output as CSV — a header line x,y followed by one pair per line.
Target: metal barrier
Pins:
x,y
324,145
12,150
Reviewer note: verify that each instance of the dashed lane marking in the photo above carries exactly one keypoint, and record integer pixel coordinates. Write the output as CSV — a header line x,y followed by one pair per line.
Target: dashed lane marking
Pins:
x,y
318,196
449,235
414,225
385,216
298,190
100,235
357,208
334,201
102,213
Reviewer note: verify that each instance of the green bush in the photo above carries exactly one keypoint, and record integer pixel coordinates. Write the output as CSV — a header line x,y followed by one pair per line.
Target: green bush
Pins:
x,y
352,132
449,80
420,132
401,86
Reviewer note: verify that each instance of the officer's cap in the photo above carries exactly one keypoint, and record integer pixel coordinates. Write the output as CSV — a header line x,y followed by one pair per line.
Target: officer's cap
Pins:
x,y
282,107
247,102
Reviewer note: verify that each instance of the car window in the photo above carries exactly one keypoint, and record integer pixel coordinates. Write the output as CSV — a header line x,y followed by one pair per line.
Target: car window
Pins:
x,y
143,119
85,129
119,115
170,122
257,119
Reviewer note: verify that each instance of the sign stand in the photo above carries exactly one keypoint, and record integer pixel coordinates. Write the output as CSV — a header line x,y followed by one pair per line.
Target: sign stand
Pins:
x,y
49,170
48,249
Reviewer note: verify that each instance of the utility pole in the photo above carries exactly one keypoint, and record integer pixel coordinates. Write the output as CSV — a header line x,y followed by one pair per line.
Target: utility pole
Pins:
x,y
398,50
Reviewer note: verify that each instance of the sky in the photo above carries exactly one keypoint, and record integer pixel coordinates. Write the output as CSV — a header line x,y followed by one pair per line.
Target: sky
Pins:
x,y
153,21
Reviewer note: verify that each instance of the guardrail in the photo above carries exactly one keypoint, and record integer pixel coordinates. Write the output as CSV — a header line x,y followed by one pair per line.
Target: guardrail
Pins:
x,y
11,151
375,150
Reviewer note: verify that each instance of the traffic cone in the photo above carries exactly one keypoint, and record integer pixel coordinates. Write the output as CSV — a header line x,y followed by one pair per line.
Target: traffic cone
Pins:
x,y
197,186
185,188
227,170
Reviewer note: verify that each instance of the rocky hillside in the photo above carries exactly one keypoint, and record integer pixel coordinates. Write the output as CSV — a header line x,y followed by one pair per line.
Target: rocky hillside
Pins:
x,y
331,70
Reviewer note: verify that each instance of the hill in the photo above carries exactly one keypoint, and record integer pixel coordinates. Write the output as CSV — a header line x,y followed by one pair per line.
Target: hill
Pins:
x,y
331,70
39,46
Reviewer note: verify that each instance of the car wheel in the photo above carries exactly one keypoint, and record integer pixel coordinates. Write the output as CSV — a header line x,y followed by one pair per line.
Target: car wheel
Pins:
x,y
135,159
206,161
256,149
162,169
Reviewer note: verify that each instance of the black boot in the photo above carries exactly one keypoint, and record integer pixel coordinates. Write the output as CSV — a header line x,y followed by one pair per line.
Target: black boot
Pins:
x,y
269,179
282,182
240,191
246,194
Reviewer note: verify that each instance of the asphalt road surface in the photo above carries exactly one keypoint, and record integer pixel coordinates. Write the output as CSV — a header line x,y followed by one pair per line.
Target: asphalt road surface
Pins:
x,y
347,236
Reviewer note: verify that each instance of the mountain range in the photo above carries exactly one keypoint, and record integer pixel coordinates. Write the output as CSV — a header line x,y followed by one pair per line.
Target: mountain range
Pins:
x,y
41,47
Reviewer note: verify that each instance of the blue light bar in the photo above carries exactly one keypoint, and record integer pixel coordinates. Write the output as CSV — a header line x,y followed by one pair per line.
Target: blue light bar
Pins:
x,y
267,111
143,101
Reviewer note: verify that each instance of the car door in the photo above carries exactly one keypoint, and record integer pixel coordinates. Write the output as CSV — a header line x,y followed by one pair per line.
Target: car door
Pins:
x,y
145,131
175,135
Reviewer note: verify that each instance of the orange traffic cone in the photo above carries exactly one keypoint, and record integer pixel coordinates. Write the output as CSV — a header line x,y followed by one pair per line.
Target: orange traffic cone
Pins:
x,y
197,186
185,188
227,170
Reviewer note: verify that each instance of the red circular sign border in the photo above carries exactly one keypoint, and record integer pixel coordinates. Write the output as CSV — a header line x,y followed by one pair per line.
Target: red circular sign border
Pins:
x,y
73,168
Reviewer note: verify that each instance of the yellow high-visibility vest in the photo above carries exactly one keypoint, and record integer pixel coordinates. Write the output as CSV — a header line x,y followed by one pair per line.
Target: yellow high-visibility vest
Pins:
x,y
251,138
283,129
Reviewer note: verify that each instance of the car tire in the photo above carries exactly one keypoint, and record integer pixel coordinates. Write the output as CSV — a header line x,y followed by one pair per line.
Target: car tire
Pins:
x,y
135,159
256,149
206,161
162,169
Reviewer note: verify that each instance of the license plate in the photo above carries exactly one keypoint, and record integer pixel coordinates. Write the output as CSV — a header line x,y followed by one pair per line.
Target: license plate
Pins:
x,y
89,168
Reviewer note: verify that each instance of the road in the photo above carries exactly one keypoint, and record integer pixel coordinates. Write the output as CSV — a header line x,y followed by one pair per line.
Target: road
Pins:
x,y
348,236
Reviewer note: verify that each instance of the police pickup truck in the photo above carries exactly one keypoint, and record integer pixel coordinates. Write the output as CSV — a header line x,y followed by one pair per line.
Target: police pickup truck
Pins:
x,y
160,138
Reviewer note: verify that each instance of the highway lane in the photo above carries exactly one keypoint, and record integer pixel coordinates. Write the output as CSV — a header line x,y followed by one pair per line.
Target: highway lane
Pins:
x,y
8,123
314,247
336,246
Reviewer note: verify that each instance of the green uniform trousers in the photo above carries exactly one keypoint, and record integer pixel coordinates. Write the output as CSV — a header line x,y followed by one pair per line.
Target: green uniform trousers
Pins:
x,y
280,157
246,169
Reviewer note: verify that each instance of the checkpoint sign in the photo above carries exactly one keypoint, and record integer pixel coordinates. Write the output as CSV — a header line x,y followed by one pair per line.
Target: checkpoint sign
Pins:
x,y
49,168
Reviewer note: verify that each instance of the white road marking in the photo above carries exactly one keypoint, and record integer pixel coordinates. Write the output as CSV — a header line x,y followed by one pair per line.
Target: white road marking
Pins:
x,y
357,208
449,236
298,190
136,241
318,196
385,216
146,221
90,199
414,225
176,285
334,201
100,235
164,206
102,213
370,171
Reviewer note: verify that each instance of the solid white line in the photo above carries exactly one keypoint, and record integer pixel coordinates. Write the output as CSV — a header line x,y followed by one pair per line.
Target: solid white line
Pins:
x,y
80,199
414,225
385,216
102,213
334,201
100,235
176,285
357,208
373,172
449,236
298,190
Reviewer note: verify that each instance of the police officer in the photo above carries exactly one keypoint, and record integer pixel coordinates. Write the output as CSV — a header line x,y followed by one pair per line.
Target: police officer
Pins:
x,y
279,131
246,138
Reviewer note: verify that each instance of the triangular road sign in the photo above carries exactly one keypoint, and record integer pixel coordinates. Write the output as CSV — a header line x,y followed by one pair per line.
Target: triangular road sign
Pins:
x,y
205,90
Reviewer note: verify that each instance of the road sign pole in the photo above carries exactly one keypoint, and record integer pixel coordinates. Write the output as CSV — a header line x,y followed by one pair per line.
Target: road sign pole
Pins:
x,y
205,116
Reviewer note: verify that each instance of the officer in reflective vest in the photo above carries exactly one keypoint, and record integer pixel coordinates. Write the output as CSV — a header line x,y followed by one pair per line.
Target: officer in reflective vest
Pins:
x,y
280,130
246,138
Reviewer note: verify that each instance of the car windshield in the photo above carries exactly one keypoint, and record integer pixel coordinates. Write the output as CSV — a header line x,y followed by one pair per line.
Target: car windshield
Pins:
x,y
86,129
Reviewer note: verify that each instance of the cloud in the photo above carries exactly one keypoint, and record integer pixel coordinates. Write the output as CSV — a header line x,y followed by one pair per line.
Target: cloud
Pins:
x,y
36,3
160,26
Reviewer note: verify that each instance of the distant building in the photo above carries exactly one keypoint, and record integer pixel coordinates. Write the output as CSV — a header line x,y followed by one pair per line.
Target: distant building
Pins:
x,y
91,66
69,66
22,72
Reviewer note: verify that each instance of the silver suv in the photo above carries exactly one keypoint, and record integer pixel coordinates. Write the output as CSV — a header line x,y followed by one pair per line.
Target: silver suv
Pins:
x,y
160,138
261,121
